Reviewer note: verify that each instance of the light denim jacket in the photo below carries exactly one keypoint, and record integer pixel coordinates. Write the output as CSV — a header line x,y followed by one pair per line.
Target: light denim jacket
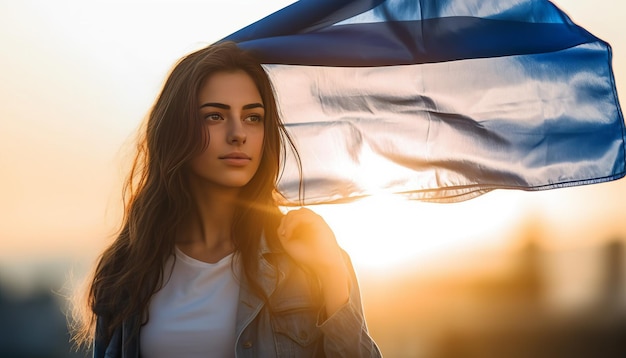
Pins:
x,y
290,324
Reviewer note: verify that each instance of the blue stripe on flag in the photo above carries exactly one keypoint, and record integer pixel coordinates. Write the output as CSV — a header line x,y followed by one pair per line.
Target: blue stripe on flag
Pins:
x,y
414,42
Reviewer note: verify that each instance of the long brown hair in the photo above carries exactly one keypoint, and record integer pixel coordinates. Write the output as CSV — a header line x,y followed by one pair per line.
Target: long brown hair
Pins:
x,y
157,198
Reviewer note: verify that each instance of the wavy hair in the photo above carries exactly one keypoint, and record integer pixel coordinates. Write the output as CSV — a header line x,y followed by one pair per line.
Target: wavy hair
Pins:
x,y
157,198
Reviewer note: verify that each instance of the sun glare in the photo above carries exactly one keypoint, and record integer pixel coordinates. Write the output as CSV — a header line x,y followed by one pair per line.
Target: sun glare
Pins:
x,y
387,231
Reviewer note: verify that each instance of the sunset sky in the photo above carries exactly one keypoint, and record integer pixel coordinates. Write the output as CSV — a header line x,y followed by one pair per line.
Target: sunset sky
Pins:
x,y
77,77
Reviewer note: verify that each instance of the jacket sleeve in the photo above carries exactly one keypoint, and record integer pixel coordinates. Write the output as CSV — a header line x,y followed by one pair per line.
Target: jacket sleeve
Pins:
x,y
345,332
103,348
124,342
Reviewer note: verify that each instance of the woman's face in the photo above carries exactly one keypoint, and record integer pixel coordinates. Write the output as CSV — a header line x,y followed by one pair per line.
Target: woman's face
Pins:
x,y
233,114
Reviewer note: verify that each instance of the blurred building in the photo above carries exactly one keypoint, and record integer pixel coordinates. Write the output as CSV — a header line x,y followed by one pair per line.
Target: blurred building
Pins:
x,y
33,326
522,310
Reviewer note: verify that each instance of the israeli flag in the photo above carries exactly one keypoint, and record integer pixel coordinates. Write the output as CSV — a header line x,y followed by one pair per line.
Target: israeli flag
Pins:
x,y
441,100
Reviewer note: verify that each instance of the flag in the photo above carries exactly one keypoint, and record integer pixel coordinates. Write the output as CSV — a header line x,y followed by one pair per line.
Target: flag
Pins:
x,y
440,100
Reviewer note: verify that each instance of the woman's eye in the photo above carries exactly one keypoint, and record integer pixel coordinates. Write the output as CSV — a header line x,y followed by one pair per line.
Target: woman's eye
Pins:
x,y
213,117
254,118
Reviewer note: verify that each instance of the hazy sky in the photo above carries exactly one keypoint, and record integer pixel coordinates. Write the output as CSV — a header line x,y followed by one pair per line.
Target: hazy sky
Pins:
x,y
77,77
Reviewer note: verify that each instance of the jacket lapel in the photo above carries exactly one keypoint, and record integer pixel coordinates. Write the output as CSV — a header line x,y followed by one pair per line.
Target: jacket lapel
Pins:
x,y
250,302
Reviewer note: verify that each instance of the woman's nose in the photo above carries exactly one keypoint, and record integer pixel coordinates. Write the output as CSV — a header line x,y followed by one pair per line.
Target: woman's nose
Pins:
x,y
236,132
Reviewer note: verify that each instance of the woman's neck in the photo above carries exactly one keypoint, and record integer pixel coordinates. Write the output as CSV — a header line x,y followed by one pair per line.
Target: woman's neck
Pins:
x,y
207,235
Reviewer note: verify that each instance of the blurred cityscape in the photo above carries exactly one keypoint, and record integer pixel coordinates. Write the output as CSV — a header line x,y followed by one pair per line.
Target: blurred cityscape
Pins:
x,y
529,302
537,304
34,325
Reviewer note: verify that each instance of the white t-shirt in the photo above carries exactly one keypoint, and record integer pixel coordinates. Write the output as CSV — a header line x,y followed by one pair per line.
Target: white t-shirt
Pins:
x,y
194,314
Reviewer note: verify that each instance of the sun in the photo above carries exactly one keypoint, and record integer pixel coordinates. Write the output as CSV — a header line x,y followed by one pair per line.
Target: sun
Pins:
x,y
384,232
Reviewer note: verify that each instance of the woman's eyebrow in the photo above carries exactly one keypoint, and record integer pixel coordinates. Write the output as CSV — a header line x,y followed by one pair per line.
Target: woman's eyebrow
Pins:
x,y
225,106
253,105
218,105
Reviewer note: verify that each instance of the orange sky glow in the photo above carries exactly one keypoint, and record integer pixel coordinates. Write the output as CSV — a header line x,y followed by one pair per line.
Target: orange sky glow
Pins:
x,y
77,80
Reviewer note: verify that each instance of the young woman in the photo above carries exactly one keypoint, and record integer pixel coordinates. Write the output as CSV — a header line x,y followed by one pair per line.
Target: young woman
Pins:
x,y
205,264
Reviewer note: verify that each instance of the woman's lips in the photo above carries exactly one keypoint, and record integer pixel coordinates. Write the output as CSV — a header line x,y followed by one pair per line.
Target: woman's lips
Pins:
x,y
236,159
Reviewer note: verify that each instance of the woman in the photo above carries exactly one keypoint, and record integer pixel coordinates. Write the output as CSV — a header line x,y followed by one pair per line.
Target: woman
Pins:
x,y
205,263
